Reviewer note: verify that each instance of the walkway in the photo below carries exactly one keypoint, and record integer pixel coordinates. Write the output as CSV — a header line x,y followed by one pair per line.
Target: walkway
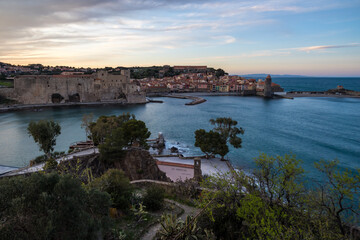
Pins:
x,y
188,211
39,167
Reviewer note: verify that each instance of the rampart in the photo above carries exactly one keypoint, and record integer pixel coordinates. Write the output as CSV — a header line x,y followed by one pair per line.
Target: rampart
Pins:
x,y
97,87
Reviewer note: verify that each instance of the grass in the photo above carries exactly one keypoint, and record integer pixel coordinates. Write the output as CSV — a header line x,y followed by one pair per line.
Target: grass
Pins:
x,y
6,83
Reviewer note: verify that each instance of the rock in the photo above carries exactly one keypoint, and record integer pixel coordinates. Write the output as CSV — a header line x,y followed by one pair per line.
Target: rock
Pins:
x,y
174,150
139,164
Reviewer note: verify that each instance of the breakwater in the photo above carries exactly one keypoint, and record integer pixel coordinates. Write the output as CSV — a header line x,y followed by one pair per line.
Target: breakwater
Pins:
x,y
195,100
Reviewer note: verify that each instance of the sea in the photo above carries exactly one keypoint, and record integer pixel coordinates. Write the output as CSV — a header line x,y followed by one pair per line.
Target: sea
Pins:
x,y
310,128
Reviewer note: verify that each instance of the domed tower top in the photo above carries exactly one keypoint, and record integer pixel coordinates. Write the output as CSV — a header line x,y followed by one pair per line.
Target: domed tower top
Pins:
x,y
268,76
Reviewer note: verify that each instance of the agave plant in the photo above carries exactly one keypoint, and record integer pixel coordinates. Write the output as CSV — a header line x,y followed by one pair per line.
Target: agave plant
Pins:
x,y
170,226
175,228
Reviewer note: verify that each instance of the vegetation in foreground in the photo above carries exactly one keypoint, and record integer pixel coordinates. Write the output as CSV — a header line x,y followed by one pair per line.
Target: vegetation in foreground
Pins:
x,y
272,202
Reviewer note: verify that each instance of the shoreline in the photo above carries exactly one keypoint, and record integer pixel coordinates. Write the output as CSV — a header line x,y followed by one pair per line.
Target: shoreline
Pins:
x,y
196,97
295,95
39,107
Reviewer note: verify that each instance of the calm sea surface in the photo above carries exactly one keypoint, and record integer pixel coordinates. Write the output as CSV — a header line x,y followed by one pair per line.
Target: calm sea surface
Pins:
x,y
317,84
310,128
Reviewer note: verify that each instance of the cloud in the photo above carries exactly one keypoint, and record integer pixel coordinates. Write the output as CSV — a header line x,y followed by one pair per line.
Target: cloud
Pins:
x,y
323,47
92,29
225,39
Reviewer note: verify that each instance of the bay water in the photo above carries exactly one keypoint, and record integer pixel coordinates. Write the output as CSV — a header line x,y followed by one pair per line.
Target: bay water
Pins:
x,y
310,128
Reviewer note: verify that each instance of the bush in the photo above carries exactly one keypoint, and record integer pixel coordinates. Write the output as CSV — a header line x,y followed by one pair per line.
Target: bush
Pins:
x,y
51,163
117,185
49,206
154,198
37,160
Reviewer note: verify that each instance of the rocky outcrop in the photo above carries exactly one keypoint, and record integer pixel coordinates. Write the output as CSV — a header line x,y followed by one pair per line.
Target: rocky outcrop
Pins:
x,y
139,164
136,163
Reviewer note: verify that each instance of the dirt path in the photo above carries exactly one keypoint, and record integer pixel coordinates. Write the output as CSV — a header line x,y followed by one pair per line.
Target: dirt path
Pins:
x,y
187,211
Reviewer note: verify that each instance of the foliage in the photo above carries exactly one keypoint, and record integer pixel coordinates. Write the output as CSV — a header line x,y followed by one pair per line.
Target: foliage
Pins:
x,y
112,149
211,142
135,131
226,127
50,164
38,159
170,226
9,84
279,179
154,198
43,158
104,126
86,121
175,228
272,203
338,194
44,133
140,213
117,185
219,72
51,207
113,134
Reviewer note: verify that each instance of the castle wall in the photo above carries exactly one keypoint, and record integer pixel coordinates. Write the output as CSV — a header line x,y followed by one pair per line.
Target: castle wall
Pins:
x,y
7,93
97,87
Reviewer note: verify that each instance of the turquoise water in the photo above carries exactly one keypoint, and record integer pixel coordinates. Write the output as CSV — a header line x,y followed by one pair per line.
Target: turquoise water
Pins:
x,y
311,128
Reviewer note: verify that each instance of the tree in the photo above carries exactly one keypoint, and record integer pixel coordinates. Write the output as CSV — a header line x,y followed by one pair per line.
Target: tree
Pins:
x,y
279,179
86,121
135,131
220,72
226,127
273,202
49,206
339,192
114,133
211,143
104,126
44,133
117,184
112,148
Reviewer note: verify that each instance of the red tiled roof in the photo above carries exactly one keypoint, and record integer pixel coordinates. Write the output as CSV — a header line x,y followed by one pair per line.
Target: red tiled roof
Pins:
x,y
174,164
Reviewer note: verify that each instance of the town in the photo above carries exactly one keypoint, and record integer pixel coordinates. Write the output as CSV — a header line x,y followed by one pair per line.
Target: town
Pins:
x,y
165,79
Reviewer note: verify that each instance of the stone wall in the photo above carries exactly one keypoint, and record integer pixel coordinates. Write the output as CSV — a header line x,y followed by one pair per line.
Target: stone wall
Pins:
x,y
97,87
7,93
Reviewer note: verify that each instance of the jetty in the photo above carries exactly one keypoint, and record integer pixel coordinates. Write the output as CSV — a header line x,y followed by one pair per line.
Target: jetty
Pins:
x,y
195,100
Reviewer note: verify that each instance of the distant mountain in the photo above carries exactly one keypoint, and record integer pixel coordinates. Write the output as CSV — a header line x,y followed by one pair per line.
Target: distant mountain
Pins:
x,y
264,75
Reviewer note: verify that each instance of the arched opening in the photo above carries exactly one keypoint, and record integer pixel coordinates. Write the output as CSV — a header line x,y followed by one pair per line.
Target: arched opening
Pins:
x,y
74,98
56,98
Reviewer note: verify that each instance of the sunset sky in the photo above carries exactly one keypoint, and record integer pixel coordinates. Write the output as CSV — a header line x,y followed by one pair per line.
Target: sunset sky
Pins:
x,y
316,38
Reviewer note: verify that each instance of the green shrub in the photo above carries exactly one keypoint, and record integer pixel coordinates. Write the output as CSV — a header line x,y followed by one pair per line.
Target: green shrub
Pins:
x,y
49,206
154,198
37,160
51,163
118,186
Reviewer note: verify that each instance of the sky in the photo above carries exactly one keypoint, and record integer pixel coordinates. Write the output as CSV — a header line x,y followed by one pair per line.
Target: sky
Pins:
x,y
314,38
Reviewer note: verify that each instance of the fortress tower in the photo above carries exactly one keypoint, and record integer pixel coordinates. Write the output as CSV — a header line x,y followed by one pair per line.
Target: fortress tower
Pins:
x,y
267,87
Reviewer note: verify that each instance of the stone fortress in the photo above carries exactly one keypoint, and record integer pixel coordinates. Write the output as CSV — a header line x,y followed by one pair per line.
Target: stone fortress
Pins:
x,y
97,87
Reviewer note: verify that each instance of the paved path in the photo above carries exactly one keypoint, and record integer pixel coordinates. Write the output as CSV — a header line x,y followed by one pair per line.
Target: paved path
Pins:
x,y
188,211
39,167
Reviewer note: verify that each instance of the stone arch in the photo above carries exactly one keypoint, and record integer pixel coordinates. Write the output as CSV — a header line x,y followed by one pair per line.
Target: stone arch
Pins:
x,y
56,98
74,97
